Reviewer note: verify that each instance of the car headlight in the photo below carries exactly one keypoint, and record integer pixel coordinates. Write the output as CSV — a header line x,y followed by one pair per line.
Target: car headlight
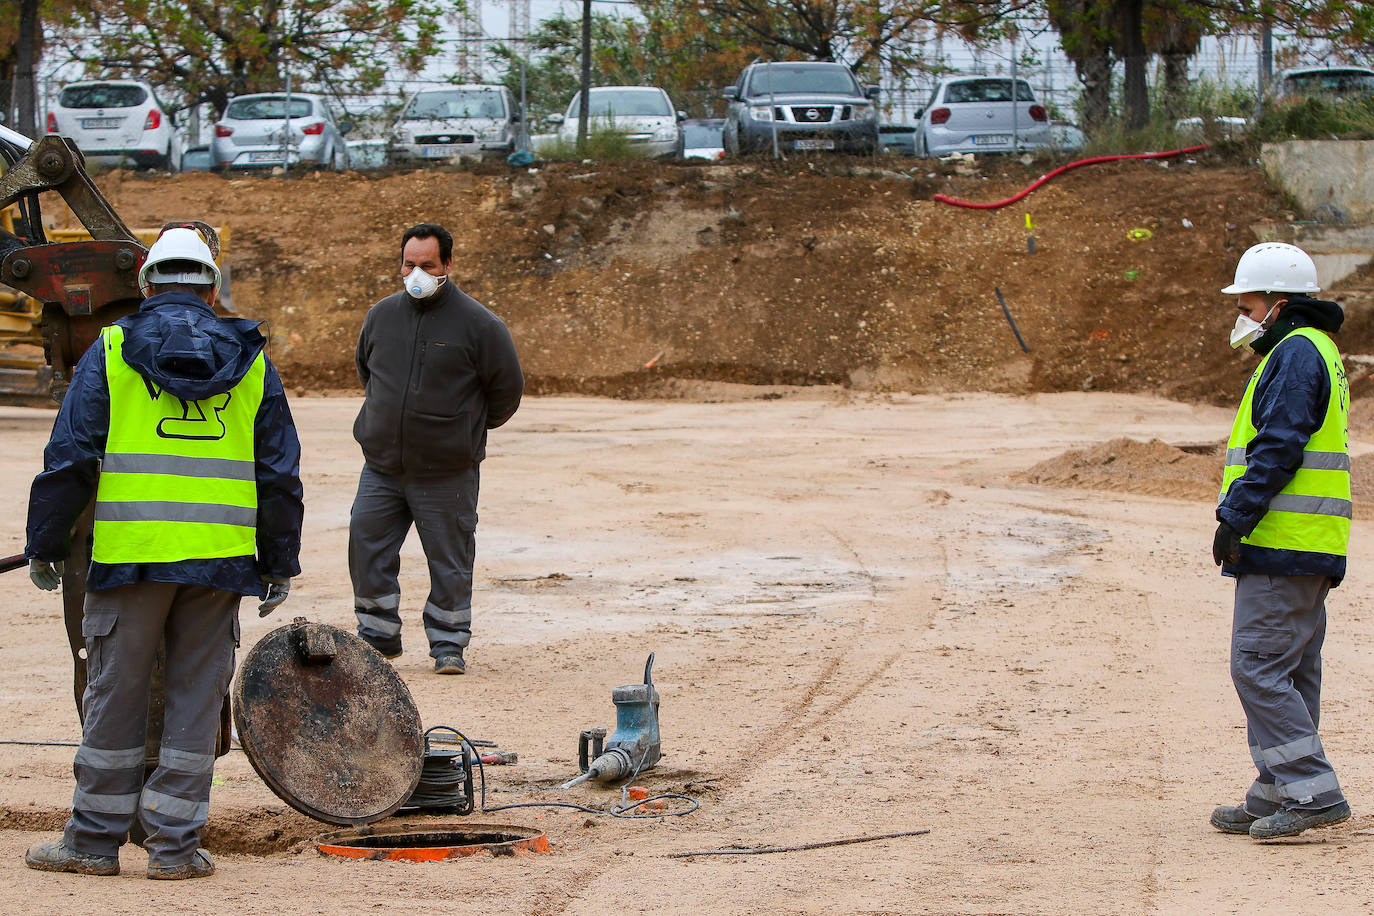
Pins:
x,y
761,112
495,133
863,113
403,135
664,134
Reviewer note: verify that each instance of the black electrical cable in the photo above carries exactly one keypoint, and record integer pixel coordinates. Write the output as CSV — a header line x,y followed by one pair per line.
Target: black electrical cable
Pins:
x,y
43,743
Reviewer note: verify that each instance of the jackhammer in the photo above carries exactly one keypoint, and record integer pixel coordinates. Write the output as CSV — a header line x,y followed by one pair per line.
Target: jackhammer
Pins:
x,y
634,747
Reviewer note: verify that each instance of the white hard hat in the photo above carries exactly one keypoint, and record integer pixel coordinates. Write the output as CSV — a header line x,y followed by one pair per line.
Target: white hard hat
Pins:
x,y
1274,267
183,245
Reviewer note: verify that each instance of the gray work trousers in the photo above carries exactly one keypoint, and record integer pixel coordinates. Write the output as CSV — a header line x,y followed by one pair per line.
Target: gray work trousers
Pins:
x,y
1276,665
444,512
123,627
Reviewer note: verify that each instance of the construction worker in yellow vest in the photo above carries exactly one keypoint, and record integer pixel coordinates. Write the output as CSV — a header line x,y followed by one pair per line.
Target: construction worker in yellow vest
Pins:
x,y
177,425
1283,525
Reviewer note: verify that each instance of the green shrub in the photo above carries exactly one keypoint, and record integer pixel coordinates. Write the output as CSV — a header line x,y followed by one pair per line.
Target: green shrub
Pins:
x,y
601,144
1316,118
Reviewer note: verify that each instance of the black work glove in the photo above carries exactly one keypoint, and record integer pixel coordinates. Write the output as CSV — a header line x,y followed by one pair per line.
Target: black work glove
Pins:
x,y
277,590
1226,545
45,575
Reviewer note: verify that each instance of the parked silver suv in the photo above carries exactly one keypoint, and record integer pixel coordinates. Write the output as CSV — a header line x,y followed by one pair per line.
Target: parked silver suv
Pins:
x,y
811,105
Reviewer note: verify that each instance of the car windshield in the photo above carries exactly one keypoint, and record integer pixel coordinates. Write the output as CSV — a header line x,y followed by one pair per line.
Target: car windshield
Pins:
x,y
784,80
102,96
989,90
265,108
1332,82
702,136
624,102
455,103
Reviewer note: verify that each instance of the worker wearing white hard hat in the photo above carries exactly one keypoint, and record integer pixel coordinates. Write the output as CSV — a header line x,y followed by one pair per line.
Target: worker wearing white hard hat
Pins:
x,y
1283,528
179,256
177,426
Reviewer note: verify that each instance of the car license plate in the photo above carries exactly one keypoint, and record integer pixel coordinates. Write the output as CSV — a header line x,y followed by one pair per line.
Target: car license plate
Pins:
x,y
992,140
100,123
265,156
813,144
437,151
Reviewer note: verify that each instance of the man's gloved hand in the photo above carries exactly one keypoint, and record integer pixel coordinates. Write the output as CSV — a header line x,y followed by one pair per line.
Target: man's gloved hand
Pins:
x,y
1226,545
45,575
277,590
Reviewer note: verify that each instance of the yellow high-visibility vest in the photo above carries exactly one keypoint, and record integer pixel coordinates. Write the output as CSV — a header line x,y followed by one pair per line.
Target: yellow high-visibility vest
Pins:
x,y
178,479
1312,513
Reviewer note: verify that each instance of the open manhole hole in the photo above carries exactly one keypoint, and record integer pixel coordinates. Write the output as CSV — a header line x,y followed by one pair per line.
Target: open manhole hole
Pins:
x,y
432,842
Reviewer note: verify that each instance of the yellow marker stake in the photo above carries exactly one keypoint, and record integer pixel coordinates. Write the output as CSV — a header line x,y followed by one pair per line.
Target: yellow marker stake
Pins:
x,y
1029,224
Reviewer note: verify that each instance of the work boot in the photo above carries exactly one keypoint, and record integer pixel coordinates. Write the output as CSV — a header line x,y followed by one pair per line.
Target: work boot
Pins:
x,y
450,664
1293,821
200,866
1232,819
60,857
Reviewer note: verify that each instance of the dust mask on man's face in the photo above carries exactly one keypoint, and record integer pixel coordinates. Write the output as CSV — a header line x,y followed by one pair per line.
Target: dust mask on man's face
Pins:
x,y
422,285
1248,330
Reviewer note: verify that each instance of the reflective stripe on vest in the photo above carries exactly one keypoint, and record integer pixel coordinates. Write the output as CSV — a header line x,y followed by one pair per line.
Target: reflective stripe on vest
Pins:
x,y
178,479
1312,513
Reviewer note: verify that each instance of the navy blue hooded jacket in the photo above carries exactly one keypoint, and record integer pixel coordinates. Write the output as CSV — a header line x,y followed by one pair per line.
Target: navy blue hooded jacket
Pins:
x,y
178,343
1288,407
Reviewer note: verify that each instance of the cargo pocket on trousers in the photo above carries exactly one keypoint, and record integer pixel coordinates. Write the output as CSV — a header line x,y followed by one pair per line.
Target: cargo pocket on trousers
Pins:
x,y
97,627
1263,641
227,675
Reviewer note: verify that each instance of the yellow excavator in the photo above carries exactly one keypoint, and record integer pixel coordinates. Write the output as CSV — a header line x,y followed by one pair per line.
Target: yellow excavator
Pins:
x,y
60,286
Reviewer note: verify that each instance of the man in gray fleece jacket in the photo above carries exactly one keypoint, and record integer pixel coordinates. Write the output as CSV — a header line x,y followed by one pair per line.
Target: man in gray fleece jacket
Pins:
x,y
438,371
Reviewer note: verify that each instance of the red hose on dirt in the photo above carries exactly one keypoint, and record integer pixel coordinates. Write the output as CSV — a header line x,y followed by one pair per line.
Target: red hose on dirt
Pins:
x,y
1060,171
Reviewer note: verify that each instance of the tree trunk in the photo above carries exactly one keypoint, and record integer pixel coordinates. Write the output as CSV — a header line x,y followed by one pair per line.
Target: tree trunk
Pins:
x,y
1095,75
1175,85
1135,92
26,58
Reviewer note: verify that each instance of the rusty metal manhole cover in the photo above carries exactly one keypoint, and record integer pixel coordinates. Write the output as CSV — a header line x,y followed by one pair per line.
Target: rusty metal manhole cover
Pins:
x,y
328,724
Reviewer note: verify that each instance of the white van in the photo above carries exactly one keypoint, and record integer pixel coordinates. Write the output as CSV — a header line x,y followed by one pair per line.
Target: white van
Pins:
x,y
116,122
470,121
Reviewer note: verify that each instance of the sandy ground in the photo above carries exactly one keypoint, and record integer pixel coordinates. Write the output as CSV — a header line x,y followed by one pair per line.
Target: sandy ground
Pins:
x,y
861,626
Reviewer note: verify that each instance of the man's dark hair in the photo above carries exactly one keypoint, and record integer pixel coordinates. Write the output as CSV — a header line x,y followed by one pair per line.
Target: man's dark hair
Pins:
x,y
431,231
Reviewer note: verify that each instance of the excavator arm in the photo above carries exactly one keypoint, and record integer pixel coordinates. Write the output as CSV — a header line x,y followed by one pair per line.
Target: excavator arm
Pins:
x,y
83,285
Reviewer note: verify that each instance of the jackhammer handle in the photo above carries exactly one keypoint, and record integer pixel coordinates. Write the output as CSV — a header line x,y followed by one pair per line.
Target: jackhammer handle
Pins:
x,y
12,563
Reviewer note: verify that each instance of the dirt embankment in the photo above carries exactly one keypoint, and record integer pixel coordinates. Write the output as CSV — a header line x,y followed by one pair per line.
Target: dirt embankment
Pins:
x,y
616,277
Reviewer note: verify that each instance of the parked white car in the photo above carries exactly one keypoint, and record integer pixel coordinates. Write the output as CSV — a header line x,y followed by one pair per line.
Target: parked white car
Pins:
x,y
116,122
977,114
644,114
253,133
469,121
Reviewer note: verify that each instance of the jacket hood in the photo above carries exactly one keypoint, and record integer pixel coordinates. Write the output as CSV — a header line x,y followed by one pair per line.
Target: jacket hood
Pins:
x,y
1301,312
178,343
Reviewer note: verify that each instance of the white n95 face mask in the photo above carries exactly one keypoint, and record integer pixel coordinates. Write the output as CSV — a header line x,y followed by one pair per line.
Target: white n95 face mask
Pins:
x,y
422,285
1248,330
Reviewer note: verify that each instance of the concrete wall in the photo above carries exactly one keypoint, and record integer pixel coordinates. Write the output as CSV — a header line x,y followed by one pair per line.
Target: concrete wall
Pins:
x,y
1331,173
1331,182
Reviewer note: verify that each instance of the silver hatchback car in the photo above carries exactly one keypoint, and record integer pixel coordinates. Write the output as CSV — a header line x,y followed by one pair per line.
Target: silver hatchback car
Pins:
x,y
976,114
256,132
